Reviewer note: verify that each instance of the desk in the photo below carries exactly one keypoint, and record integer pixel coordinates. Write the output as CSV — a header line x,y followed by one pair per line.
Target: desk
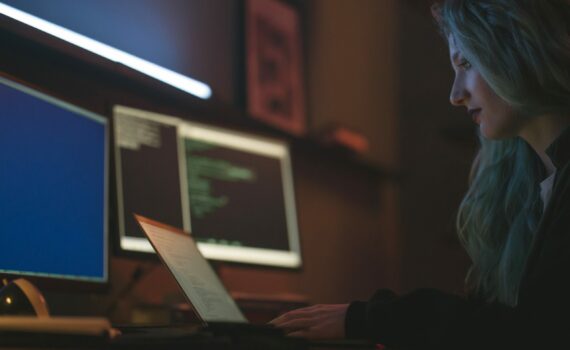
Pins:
x,y
155,342
169,339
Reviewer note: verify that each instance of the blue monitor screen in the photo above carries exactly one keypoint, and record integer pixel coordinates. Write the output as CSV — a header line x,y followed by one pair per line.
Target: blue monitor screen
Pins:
x,y
53,187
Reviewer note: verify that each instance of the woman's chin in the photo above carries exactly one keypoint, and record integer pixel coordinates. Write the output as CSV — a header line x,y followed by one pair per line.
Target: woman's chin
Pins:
x,y
488,133
495,135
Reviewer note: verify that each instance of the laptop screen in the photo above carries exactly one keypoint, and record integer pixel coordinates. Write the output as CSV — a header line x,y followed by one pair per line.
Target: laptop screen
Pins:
x,y
192,272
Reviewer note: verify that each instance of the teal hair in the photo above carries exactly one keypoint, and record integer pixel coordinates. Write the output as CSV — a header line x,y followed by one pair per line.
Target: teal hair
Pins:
x,y
522,50
520,47
499,216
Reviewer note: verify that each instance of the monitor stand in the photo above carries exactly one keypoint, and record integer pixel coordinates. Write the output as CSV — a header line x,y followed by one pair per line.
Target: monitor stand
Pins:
x,y
21,298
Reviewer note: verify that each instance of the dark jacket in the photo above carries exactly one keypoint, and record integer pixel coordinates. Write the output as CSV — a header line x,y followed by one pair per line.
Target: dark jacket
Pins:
x,y
431,319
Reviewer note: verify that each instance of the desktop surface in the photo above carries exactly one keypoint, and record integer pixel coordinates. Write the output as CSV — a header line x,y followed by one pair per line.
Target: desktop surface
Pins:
x,y
173,336
150,337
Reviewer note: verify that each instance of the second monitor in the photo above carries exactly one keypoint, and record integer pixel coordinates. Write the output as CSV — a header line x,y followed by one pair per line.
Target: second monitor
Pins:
x,y
234,193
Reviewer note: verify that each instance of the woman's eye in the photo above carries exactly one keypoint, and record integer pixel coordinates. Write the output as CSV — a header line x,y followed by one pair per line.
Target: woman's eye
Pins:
x,y
464,64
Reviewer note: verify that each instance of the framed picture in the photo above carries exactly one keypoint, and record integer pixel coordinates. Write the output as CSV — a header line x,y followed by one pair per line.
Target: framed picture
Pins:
x,y
275,88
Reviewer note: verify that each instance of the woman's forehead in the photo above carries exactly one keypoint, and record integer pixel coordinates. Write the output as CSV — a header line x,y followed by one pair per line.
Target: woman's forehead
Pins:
x,y
453,49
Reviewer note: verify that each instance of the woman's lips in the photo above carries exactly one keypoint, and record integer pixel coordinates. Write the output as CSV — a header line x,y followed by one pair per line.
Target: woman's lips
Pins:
x,y
474,113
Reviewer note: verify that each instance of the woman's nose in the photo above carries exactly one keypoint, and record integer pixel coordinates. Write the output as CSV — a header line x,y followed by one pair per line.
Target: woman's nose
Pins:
x,y
458,95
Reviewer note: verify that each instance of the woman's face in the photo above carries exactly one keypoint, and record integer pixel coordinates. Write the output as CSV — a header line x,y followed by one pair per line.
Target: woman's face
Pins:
x,y
495,117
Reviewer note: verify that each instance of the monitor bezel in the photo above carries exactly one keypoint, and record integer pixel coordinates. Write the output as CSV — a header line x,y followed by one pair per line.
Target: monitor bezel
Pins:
x,y
140,247
263,146
57,283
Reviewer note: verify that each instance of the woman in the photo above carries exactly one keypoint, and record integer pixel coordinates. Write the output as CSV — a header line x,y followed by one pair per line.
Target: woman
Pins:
x,y
512,73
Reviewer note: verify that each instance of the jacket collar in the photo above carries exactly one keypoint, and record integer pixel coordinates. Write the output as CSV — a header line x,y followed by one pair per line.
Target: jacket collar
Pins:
x,y
559,150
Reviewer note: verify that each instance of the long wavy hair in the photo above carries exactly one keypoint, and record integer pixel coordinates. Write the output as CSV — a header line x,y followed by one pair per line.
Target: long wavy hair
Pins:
x,y
522,50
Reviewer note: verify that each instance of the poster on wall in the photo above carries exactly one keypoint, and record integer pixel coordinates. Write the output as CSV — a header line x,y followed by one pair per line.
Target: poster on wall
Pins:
x,y
275,86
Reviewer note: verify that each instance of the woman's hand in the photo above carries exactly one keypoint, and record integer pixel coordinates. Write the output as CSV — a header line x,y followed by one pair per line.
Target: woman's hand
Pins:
x,y
315,322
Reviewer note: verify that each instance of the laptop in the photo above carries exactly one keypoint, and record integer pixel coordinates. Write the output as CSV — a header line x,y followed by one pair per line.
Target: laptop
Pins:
x,y
210,300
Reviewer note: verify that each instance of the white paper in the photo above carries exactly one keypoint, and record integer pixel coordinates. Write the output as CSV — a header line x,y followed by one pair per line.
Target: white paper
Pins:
x,y
194,275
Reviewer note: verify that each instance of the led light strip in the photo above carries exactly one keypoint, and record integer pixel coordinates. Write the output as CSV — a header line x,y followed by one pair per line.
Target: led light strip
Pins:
x,y
184,83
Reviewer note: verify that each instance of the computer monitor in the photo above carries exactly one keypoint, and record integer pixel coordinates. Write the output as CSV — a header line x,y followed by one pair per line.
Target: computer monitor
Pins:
x,y
149,169
53,188
242,203
236,193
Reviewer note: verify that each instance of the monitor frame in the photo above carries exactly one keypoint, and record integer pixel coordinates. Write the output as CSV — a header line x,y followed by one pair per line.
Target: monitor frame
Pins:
x,y
270,258
134,245
253,144
53,282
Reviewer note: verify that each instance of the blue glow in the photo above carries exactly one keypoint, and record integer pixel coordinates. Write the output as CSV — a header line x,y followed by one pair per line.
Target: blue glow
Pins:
x,y
53,189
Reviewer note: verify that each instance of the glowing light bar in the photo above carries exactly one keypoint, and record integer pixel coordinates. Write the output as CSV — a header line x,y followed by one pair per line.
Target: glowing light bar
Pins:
x,y
182,82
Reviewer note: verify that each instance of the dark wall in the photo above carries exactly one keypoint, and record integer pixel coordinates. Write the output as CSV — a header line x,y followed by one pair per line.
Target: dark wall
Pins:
x,y
437,143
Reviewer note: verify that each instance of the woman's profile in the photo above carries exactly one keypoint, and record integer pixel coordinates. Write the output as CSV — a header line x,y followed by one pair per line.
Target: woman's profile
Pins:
x,y
511,60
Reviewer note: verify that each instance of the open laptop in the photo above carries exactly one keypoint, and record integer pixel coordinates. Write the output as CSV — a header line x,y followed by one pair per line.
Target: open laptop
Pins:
x,y
208,297
203,289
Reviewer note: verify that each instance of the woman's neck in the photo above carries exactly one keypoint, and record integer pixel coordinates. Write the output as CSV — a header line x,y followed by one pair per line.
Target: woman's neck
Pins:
x,y
540,132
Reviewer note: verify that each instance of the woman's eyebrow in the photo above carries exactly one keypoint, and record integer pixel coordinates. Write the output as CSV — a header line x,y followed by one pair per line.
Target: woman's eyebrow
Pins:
x,y
455,56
